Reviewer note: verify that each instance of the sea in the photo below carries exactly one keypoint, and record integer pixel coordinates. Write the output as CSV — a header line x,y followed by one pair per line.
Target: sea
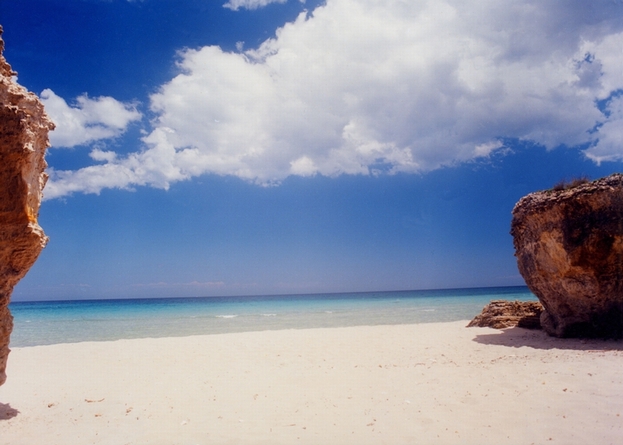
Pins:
x,y
52,322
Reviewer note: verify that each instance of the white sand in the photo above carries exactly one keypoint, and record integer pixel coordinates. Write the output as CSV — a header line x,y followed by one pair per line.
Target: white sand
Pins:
x,y
414,384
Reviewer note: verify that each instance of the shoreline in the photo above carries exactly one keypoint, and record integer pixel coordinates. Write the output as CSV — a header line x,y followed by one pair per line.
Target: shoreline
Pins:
x,y
394,384
74,321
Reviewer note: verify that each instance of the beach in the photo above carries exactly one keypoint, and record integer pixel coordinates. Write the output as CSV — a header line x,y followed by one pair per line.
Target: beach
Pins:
x,y
403,384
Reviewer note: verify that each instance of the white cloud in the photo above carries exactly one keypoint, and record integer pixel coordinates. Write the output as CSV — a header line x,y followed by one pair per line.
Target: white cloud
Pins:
x,y
155,166
234,5
610,135
88,121
410,86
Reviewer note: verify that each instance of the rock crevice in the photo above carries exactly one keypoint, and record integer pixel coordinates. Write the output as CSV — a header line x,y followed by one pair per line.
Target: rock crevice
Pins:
x,y
24,128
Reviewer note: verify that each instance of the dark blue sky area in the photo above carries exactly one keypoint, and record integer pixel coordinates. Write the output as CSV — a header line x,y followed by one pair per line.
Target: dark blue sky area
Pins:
x,y
121,48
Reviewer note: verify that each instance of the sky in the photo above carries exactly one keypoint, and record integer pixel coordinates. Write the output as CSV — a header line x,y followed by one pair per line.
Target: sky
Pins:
x,y
259,147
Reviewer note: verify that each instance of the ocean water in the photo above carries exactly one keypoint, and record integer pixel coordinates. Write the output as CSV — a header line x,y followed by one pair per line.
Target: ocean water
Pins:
x,y
44,323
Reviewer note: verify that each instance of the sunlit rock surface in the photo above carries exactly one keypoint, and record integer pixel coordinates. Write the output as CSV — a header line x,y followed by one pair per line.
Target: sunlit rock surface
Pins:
x,y
501,314
569,249
24,130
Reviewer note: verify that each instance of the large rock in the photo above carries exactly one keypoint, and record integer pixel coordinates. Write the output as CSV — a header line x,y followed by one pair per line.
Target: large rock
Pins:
x,y
24,130
569,249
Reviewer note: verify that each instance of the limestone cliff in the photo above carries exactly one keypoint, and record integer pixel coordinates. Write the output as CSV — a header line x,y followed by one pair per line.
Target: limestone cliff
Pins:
x,y
569,249
24,130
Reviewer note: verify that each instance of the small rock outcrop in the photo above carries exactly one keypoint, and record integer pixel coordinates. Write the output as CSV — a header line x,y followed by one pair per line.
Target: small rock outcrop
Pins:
x,y
501,314
24,128
569,248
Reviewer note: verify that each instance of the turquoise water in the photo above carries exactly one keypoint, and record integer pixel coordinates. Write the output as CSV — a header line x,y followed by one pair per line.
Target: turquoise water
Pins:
x,y
44,323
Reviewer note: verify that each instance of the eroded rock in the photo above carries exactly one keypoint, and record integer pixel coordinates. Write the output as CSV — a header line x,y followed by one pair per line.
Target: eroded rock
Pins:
x,y
501,314
24,128
569,249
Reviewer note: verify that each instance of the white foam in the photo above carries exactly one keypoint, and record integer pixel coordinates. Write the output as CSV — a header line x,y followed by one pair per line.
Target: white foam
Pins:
x,y
226,316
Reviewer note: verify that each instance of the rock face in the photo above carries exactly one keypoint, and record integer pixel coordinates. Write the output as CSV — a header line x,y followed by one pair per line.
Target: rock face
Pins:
x,y
501,314
569,249
24,130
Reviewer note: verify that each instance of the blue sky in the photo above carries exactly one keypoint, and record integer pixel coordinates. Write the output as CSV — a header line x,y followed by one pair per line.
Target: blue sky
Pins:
x,y
271,147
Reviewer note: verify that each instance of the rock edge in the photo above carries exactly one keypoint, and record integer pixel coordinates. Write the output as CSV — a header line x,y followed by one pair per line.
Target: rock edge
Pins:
x,y
24,128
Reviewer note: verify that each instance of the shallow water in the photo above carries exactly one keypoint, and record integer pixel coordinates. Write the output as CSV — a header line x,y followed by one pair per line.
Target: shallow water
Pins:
x,y
43,323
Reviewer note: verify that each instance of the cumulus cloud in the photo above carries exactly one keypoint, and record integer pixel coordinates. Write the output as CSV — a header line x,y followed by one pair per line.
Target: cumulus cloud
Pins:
x,y
362,86
88,120
610,134
234,5
156,167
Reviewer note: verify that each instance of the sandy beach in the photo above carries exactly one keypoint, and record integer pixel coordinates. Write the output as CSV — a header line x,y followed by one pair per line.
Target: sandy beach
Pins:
x,y
409,384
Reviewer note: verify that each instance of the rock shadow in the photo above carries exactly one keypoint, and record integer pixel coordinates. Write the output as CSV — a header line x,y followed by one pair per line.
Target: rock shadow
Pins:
x,y
6,412
538,339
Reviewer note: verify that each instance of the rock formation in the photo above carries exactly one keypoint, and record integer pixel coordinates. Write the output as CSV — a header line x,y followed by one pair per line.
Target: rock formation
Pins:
x,y
500,314
24,130
569,249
